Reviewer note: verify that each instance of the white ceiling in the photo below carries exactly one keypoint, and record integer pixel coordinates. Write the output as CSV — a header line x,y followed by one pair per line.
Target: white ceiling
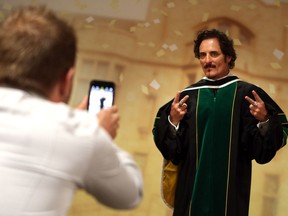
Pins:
x,y
118,9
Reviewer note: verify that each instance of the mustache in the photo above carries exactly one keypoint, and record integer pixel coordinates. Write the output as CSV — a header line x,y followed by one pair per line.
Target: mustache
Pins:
x,y
209,65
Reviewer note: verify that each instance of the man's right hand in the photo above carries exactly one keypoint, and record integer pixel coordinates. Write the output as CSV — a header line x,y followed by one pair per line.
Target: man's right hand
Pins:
x,y
178,109
109,120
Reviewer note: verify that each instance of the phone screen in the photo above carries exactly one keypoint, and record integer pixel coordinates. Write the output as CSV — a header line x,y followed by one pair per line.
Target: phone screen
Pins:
x,y
101,95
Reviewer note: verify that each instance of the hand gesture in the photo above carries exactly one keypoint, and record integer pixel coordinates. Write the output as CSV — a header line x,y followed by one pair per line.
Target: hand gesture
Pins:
x,y
109,120
257,107
178,109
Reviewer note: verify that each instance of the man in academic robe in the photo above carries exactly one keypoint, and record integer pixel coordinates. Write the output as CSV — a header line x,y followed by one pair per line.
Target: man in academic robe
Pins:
x,y
210,133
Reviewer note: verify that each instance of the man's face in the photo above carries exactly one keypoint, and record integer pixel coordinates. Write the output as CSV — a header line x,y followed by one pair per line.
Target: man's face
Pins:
x,y
213,62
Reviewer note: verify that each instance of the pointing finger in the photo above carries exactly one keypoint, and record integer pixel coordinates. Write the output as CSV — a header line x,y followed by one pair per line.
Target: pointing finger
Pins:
x,y
176,99
251,101
184,99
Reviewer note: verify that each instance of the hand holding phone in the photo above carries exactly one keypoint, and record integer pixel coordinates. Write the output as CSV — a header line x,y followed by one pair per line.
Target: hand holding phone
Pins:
x,y
100,96
109,120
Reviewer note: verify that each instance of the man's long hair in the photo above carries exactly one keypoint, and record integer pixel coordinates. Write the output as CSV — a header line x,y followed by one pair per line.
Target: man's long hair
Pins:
x,y
36,49
226,44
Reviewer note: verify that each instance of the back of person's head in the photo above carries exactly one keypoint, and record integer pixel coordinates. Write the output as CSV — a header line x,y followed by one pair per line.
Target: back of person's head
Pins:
x,y
226,44
37,48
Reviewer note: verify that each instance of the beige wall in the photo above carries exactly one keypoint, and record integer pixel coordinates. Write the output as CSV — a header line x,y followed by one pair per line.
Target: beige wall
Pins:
x,y
131,54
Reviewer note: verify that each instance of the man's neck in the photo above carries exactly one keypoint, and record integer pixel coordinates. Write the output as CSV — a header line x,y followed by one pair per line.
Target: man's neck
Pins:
x,y
229,74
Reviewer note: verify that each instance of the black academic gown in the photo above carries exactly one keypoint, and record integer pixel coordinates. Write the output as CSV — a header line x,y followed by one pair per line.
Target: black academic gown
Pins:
x,y
246,144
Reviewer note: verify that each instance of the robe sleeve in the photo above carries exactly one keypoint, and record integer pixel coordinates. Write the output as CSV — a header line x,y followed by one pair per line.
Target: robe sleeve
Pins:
x,y
167,142
259,147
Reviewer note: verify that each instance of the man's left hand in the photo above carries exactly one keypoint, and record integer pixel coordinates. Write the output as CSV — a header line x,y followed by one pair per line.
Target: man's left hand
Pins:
x,y
257,107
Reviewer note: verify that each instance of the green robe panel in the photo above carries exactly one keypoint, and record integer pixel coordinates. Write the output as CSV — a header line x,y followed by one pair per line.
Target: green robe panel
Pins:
x,y
214,115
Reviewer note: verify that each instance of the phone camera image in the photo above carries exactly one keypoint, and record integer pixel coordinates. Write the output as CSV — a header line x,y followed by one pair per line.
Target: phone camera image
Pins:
x,y
101,96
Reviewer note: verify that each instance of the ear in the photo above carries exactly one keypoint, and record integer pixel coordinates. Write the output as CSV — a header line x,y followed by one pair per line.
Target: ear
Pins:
x,y
228,58
66,85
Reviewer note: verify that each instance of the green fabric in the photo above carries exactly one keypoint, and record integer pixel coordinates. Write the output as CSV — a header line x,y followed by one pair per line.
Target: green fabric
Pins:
x,y
283,120
214,123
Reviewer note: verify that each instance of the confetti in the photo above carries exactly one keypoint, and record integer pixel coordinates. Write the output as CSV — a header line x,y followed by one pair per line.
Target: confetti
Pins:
x,y
178,33
89,19
165,46
147,24
278,54
156,21
205,17
235,8
171,5
237,42
121,77
272,88
173,47
154,84
112,22
160,53
145,89
164,13
275,65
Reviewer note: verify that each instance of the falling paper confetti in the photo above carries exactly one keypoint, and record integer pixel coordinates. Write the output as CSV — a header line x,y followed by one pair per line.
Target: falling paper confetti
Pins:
x,y
272,88
156,21
235,8
145,89
121,77
178,33
275,65
237,42
89,19
112,22
147,24
205,17
170,4
278,54
154,84
160,53
165,46
173,47
164,13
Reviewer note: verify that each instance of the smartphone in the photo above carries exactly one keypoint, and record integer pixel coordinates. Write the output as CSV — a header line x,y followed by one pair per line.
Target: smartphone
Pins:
x,y
100,96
